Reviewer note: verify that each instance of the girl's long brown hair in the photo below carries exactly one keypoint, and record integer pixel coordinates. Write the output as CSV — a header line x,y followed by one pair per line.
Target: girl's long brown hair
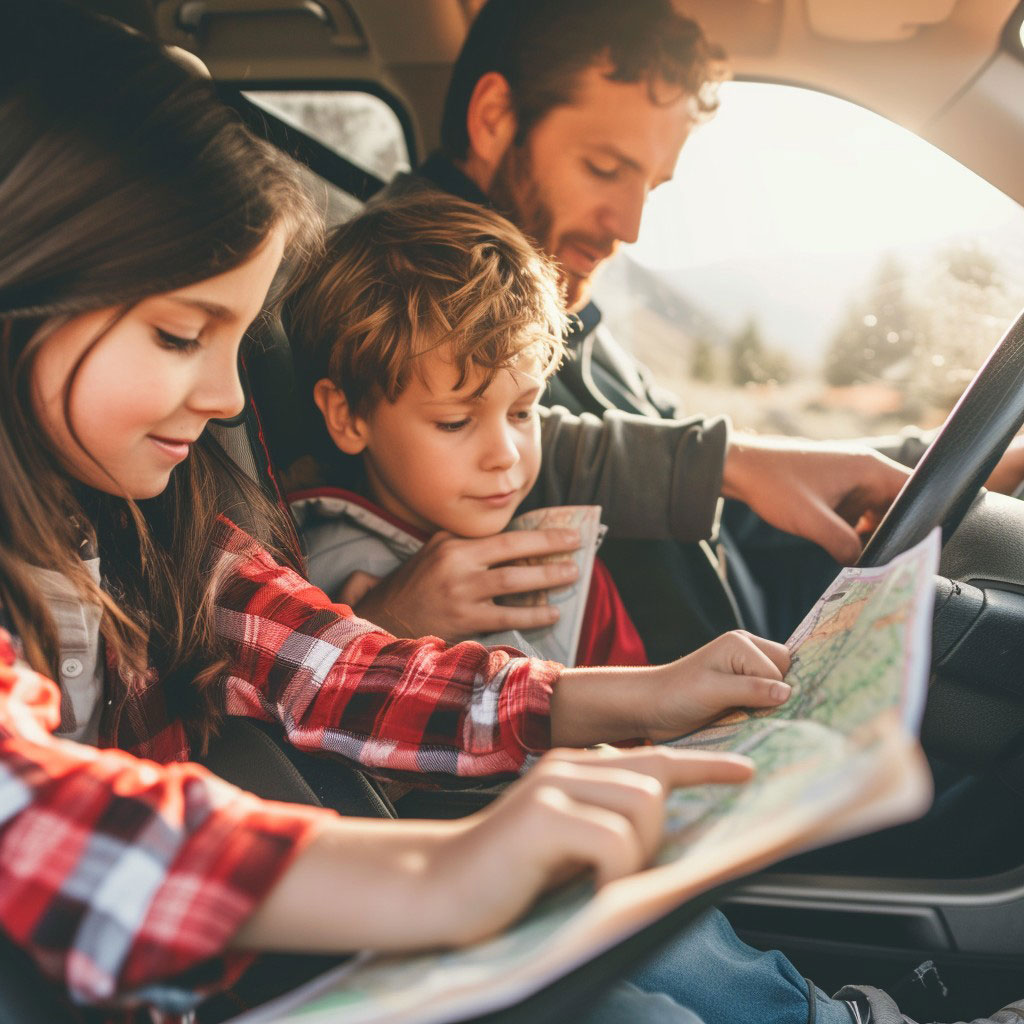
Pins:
x,y
121,177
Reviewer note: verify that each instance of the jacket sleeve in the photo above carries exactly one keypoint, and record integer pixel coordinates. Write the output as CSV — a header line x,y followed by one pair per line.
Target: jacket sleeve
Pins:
x,y
655,479
125,879
341,685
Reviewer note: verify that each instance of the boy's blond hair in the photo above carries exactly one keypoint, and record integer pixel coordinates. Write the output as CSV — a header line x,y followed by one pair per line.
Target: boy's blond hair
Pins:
x,y
418,272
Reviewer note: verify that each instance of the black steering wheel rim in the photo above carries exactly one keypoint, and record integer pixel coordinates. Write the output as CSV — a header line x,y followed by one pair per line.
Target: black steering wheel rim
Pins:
x,y
958,462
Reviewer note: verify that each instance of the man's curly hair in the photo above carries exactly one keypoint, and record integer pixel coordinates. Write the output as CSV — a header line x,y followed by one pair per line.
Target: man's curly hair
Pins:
x,y
541,47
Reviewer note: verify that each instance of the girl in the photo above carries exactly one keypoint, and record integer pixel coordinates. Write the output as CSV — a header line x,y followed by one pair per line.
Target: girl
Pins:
x,y
141,230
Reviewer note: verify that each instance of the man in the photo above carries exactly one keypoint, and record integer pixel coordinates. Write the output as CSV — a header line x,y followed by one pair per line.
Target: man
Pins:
x,y
566,116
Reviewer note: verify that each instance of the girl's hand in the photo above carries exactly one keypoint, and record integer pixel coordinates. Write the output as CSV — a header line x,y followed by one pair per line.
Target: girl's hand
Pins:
x,y
410,885
600,810
736,670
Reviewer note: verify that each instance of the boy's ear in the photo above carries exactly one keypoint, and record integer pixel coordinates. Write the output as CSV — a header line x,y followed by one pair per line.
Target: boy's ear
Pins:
x,y
348,431
491,123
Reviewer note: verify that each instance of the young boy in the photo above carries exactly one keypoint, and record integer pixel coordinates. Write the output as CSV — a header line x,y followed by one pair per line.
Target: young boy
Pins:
x,y
427,337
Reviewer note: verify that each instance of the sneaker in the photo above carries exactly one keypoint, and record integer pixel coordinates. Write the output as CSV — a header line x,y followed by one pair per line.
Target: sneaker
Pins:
x,y
873,1006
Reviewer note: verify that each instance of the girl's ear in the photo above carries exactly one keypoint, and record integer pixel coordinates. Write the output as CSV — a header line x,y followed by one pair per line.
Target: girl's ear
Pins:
x,y
348,431
491,124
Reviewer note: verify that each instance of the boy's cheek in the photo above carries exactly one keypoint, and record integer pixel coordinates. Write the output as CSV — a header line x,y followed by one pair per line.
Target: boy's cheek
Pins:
x,y
531,458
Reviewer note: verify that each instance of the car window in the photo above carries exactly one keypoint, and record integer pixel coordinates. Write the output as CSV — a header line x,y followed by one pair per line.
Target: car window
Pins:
x,y
356,125
815,269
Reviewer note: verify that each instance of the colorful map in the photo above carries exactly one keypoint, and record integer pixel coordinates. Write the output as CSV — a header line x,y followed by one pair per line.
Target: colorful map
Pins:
x,y
839,758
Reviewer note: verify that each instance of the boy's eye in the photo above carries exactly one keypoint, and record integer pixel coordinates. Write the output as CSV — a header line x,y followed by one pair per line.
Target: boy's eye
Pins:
x,y
452,427
523,415
174,341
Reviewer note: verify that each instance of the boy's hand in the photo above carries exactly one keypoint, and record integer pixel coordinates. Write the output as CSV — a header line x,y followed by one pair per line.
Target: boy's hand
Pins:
x,y
356,587
448,588
737,670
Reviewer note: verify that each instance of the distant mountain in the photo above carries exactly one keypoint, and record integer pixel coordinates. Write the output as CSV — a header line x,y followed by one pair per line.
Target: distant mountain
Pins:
x,y
797,299
625,287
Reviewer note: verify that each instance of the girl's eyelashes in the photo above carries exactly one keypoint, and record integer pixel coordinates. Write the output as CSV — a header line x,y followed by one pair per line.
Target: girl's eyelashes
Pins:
x,y
451,427
175,342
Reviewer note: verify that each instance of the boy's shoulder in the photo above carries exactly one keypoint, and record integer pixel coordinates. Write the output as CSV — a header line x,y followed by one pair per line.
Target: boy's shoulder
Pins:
x,y
344,510
343,531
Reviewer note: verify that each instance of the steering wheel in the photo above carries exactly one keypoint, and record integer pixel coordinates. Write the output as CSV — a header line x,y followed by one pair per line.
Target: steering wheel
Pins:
x,y
975,710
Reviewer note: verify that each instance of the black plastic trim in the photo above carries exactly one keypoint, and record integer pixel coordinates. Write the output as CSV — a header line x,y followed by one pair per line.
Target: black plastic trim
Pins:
x,y
1010,40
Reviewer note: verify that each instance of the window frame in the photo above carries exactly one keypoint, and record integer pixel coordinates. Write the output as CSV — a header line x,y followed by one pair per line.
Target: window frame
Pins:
x,y
320,158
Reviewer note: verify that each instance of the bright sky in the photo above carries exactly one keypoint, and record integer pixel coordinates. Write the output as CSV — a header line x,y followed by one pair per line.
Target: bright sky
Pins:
x,y
781,170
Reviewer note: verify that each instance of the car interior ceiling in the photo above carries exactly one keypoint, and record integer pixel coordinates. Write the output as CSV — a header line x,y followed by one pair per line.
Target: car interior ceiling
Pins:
x,y
827,921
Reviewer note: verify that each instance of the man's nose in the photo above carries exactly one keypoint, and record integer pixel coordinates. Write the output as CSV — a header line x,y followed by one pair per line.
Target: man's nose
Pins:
x,y
622,219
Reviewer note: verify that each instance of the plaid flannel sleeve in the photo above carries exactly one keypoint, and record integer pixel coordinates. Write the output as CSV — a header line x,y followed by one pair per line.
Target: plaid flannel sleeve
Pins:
x,y
123,878
339,684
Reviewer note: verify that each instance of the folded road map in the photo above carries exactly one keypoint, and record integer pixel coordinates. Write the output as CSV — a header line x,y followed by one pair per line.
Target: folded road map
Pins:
x,y
839,759
559,641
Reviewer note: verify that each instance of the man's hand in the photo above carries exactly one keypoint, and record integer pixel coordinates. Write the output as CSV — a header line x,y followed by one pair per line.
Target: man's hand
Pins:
x,y
448,588
1009,472
830,493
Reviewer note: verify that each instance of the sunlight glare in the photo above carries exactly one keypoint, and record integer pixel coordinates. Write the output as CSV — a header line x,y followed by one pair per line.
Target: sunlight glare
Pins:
x,y
781,170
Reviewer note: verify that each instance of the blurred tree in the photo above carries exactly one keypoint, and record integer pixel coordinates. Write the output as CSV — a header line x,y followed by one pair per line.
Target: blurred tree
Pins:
x,y
746,354
702,360
970,306
751,362
879,332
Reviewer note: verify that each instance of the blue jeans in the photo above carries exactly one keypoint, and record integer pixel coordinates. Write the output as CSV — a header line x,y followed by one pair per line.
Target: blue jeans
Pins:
x,y
626,1004
720,980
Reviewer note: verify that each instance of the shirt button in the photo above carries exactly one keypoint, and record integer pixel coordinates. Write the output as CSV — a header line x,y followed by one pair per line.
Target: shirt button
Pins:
x,y
71,667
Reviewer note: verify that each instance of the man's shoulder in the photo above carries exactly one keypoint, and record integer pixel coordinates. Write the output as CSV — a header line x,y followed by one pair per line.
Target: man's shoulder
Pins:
x,y
440,174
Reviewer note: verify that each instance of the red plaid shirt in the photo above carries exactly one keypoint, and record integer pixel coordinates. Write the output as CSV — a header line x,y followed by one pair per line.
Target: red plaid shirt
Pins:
x,y
124,871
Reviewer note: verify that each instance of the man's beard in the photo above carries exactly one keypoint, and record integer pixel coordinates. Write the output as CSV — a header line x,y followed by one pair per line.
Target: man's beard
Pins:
x,y
516,193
